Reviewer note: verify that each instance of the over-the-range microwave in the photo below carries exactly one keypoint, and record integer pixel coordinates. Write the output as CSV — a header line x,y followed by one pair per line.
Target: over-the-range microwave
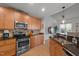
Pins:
x,y
21,25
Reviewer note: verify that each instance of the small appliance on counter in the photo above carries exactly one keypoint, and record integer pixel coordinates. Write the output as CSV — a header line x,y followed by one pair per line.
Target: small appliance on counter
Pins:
x,y
77,42
5,34
74,40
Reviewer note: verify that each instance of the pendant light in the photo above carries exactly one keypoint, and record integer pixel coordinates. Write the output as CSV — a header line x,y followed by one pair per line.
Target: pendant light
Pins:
x,y
63,21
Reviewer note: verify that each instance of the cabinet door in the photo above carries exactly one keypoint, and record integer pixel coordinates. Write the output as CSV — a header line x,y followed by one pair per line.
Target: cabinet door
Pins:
x,y
9,19
28,20
18,16
59,50
36,40
52,47
8,47
12,44
55,48
1,21
2,18
35,24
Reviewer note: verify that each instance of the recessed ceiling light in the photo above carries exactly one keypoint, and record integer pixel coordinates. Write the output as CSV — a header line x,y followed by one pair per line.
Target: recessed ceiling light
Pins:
x,y
30,3
63,21
43,9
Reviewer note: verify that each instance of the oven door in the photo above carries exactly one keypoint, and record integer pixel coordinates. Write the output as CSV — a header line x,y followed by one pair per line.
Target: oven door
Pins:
x,y
23,43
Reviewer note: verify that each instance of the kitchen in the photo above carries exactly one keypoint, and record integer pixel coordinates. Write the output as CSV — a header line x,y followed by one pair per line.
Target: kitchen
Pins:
x,y
31,32
15,26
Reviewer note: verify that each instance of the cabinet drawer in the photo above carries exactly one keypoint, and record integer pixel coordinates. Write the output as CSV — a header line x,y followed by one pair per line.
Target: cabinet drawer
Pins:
x,y
10,41
13,52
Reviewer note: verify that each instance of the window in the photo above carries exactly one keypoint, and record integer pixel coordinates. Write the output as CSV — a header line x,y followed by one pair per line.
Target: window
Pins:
x,y
68,27
65,28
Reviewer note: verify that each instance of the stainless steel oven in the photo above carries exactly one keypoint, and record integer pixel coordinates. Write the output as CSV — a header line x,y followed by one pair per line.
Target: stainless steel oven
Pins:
x,y
22,45
23,42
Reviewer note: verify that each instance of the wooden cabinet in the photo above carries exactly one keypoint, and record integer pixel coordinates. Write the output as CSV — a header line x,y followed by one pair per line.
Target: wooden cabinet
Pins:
x,y
9,19
28,20
35,23
18,16
8,47
6,18
55,48
36,40
2,18
1,21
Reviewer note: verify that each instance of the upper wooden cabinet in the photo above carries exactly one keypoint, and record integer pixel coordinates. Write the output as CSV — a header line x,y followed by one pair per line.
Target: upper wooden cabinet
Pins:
x,y
18,16
28,20
36,24
33,23
9,19
6,18
1,22
1,18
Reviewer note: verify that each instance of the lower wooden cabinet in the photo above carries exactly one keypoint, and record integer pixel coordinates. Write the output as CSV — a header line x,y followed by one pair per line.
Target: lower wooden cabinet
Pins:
x,y
8,47
55,48
36,40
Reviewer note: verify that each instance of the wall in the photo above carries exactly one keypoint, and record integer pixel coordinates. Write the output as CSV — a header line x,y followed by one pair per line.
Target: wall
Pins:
x,y
48,21
71,16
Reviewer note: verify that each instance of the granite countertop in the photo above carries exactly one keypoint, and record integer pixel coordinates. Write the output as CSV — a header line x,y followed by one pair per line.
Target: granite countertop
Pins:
x,y
7,38
69,47
38,34
72,49
62,41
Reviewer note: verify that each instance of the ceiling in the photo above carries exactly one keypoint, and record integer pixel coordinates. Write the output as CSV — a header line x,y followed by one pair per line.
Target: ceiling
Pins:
x,y
34,9
71,15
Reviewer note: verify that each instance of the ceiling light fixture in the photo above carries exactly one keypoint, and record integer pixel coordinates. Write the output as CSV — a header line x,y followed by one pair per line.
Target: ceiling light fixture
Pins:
x,y
43,9
30,3
63,21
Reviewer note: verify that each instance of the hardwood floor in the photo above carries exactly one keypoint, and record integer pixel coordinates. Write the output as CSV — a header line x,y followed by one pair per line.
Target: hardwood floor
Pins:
x,y
50,48
40,50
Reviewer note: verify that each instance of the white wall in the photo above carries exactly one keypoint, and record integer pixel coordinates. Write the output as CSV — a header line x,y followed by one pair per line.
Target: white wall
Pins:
x,y
48,21
71,16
